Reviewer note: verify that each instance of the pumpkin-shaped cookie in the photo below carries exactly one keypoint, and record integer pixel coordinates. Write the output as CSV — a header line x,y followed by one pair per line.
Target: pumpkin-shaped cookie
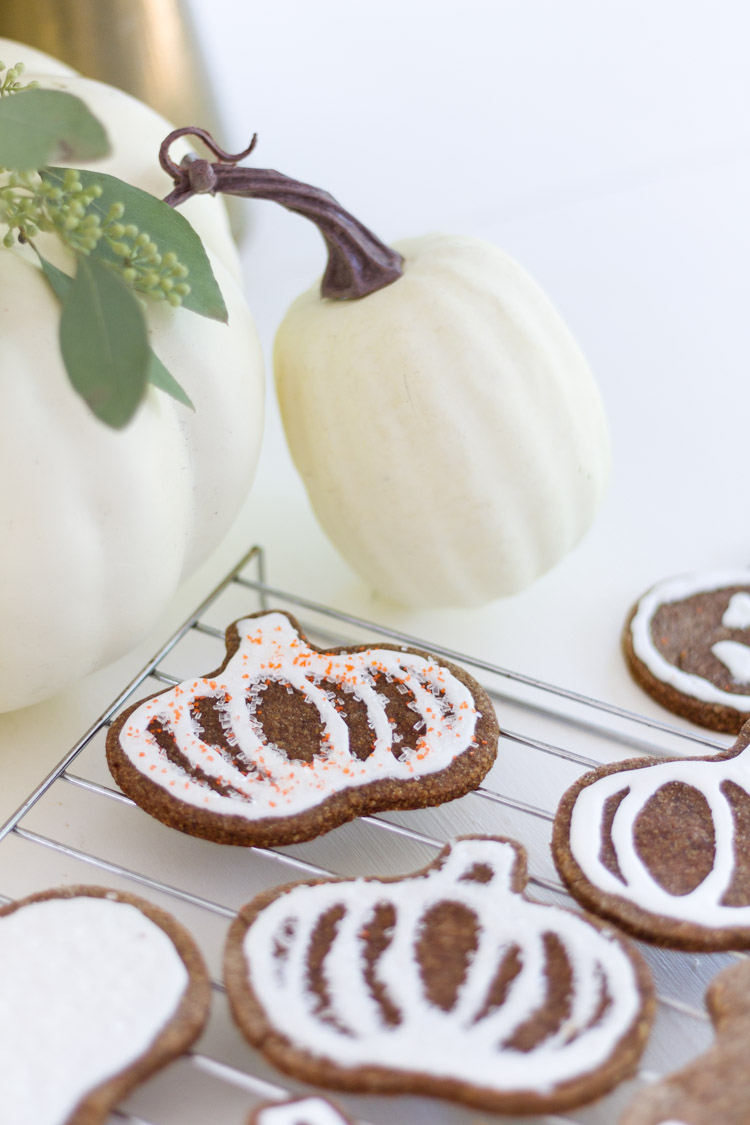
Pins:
x,y
98,990
661,847
713,1089
286,741
449,982
687,643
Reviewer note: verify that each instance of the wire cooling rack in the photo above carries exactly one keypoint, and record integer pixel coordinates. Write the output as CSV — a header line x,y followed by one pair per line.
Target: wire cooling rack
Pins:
x,y
76,827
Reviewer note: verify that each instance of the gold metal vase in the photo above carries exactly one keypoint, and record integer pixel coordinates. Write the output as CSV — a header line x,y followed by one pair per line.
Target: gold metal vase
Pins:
x,y
147,47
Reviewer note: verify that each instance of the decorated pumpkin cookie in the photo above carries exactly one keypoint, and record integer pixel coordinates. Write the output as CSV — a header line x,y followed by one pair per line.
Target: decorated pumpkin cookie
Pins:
x,y
687,643
286,741
714,1089
97,991
300,1111
448,982
662,847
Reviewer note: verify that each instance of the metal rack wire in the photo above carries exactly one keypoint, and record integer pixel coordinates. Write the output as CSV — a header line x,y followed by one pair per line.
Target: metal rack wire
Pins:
x,y
76,827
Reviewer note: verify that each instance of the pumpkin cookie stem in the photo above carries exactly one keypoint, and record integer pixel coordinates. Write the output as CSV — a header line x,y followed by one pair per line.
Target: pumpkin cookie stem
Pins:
x,y
358,262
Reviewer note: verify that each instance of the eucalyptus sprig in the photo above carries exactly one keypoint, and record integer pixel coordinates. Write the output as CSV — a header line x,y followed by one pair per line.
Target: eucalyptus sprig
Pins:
x,y
129,247
10,79
30,204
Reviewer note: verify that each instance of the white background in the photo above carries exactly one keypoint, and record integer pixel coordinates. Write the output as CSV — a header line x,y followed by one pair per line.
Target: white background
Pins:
x,y
605,146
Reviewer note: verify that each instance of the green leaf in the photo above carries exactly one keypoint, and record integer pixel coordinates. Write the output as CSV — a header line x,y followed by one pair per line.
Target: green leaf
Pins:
x,y
104,342
156,373
167,227
59,281
162,378
37,126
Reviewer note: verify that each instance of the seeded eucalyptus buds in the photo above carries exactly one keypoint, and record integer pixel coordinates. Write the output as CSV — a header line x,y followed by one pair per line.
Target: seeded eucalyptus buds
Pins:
x,y
125,245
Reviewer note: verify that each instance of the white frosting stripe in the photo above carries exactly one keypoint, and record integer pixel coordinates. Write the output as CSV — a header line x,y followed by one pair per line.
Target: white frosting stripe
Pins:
x,y
470,1041
302,1111
737,613
260,779
703,905
736,659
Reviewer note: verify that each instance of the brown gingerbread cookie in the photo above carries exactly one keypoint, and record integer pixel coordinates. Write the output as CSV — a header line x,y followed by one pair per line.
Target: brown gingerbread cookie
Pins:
x,y
98,990
714,1089
448,982
299,1111
286,741
662,847
687,643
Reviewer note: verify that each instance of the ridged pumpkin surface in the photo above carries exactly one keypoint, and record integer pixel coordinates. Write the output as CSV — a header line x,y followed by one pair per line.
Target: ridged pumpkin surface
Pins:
x,y
447,427
98,527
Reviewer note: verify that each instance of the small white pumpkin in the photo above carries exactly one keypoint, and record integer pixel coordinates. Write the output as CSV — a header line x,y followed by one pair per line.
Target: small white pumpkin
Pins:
x,y
98,527
447,427
445,423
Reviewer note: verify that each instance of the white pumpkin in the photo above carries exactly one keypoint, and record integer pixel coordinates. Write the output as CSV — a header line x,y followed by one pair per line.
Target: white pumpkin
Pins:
x,y
98,527
447,427
32,58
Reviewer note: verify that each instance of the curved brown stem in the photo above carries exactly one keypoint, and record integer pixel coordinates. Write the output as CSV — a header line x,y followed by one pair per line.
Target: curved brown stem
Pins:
x,y
175,171
358,262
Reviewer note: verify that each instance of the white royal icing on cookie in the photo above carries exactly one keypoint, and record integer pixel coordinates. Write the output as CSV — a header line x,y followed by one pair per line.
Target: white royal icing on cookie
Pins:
x,y
85,986
271,649
302,1111
467,1043
701,906
737,613
735,657
675,590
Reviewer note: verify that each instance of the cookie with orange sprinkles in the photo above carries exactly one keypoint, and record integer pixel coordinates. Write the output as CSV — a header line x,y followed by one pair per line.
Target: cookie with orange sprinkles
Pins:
x,y
286,741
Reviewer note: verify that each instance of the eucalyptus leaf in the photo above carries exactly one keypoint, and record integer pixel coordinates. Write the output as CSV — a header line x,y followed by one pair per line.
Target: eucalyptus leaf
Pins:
x,y
161,377
60,282
39,126
157,374
104,342
167,227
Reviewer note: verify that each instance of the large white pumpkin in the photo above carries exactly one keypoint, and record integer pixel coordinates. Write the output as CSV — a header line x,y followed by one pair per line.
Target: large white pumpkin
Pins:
x,y
447,427
98,527
32,58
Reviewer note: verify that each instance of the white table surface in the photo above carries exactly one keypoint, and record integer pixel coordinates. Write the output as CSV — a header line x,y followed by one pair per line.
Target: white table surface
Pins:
x,y
605,146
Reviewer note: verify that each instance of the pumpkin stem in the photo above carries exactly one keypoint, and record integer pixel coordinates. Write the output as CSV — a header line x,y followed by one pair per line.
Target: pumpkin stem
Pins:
x,y
358,262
